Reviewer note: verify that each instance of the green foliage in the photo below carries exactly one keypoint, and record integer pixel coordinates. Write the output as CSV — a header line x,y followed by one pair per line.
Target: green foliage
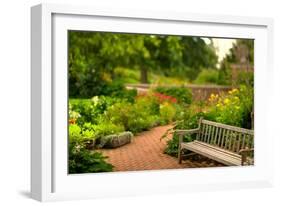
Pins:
x,y
106,128
167,113
225,75
173,145
187,120
182,94
118,90
125,75
141,123
242,46
134,117
148,103
82,160
74,133
207,76
144,114
234,108
91,110
89,132
246,78
119,113
87,110
93,57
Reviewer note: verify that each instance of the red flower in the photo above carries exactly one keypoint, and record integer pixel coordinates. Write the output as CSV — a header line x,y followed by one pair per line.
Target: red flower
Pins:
x,y
163,97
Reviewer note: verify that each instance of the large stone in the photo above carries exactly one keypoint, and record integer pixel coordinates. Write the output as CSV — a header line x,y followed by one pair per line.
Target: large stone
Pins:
x,y
115,140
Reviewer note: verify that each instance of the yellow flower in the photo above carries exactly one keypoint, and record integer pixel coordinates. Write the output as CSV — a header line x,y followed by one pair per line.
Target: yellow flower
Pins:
x,y
226,101
218,105
235,90
237,107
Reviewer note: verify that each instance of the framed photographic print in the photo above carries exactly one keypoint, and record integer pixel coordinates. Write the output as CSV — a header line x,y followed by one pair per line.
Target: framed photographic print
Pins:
x,y
135,102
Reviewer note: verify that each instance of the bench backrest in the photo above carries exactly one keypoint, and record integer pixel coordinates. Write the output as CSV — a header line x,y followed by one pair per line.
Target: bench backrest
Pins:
x,y
225,136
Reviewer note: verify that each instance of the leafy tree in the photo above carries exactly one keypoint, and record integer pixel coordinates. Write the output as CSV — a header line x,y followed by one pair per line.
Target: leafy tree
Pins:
x,y
94,55
242,51
197,55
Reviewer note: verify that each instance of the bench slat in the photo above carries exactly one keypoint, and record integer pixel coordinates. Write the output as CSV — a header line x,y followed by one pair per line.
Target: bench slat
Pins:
x,y
201,132
243,140
238,142
232,137
203,138
233,144
206,133
216,148
213,135
200,128
226,138
216,136
214,154
213,151
219,137
229,127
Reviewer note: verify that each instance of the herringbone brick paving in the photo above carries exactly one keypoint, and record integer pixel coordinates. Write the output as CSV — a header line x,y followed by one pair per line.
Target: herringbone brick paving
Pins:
x,y
145,152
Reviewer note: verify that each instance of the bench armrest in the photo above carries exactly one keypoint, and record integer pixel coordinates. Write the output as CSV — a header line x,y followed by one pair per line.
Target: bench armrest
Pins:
x,y
246,150
184,132
244,154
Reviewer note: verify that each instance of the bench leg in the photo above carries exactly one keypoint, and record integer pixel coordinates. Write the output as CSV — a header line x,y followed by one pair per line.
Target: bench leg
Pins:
x,y
179,155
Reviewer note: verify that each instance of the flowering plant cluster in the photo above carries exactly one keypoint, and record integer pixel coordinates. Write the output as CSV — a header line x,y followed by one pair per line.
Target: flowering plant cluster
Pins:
x,y
233,108
162,98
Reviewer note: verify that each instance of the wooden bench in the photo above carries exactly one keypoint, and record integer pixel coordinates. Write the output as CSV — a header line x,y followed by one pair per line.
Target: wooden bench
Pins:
x,y
223,143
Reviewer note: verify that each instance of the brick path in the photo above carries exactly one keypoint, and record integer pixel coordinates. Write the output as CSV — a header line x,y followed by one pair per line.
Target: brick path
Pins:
x,y
145,152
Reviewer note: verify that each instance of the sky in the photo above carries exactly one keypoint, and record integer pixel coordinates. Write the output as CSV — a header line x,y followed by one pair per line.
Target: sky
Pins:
x,y
222,46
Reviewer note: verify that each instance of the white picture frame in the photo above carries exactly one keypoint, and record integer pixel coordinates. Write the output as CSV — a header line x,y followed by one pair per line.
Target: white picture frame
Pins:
x,y
49,178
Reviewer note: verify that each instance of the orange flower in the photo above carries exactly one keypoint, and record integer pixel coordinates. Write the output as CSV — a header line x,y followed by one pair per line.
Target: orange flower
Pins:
x,y
72,121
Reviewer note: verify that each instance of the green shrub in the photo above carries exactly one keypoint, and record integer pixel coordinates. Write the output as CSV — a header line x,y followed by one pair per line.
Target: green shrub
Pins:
x,y
245,78
189,120
173,144
207,76
134,117
118,90
85,108
182,94
119,114
144,115
82,160
139,123
149,104
234,108
90,110
74,132
105,128
124,75
167,113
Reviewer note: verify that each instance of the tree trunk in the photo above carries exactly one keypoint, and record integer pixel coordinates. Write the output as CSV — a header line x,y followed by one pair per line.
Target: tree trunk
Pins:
x,y
143,75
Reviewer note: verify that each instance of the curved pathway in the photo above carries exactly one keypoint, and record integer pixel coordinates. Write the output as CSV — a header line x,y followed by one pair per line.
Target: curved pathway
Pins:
x,y
145,152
